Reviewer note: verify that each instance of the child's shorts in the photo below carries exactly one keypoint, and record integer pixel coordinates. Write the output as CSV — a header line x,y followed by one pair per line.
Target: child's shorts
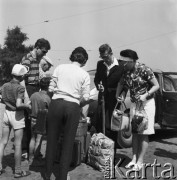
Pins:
x,y
14,119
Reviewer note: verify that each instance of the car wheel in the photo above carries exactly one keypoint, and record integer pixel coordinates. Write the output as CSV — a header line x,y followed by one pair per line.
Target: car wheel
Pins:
x,y
124,138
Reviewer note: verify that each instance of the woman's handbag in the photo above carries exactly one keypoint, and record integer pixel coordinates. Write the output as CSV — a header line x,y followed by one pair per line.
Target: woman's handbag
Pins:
x,y
120,119
140,120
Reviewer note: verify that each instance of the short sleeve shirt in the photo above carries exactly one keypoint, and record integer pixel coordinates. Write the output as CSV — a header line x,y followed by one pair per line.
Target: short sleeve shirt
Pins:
x,y
11,91
39,100
139,81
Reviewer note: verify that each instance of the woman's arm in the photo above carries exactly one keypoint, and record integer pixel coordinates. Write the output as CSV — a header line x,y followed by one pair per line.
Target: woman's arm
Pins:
x,y
155,87
121,91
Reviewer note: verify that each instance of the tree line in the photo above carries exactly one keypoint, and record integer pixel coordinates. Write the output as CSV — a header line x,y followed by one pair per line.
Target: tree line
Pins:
x,y
12,52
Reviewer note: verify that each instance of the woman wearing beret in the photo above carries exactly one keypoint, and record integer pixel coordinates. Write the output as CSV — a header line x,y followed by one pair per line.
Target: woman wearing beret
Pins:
x,y
140,80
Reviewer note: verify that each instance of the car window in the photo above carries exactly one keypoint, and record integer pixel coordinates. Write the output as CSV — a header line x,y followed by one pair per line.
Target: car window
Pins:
x,y
170,83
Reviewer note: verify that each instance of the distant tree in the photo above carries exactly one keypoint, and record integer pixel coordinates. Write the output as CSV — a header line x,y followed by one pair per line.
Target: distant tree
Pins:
x,y
12,52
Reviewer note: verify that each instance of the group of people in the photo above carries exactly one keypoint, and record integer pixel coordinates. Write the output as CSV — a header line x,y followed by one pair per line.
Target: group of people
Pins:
x,y
64,94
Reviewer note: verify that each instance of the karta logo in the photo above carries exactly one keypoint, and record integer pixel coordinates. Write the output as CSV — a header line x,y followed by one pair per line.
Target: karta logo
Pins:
x,y
167,172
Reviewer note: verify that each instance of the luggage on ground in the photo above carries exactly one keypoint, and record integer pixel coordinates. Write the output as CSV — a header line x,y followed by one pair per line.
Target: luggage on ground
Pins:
x,y
80,145
101,154
76,155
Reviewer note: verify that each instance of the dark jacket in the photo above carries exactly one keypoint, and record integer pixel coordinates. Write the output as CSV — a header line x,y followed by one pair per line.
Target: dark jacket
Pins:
x,y
109,82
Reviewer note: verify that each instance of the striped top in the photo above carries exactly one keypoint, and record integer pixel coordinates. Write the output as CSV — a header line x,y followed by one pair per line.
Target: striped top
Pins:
x,y
10,92
30,60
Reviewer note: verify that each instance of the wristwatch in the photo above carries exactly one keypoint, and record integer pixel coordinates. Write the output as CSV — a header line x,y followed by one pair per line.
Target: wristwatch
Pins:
x,y
148,94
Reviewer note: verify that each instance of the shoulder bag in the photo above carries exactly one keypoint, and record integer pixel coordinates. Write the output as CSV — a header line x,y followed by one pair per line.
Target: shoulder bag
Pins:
x,y
120,119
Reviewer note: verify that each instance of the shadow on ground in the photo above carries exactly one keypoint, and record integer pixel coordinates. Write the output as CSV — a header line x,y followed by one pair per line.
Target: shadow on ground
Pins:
x,y
163,153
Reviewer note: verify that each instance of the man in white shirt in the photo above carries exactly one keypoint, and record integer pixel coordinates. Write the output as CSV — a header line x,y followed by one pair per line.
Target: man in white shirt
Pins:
x,y
70,86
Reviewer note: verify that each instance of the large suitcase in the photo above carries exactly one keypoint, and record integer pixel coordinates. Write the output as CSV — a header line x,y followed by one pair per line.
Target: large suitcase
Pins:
x,y
76,155
81,135
85,140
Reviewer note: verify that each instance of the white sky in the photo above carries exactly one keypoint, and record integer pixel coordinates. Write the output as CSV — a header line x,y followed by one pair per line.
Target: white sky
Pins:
x,y
147,26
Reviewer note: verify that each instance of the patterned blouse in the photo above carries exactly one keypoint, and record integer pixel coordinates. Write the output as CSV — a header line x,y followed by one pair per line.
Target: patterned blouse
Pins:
x,y
139,81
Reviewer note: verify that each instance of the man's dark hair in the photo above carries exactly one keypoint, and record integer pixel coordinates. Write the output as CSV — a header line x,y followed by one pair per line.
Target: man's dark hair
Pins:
x,y
44,83
105,47
79,55
42,43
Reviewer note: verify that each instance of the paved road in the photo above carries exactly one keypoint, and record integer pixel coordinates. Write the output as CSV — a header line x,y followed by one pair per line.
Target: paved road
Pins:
x,y
162,148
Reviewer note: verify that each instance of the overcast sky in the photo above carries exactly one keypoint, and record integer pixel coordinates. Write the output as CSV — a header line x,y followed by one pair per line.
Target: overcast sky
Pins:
x,y
147,26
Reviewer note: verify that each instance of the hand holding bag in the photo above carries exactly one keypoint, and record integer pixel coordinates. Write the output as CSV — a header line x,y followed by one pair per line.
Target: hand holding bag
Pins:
x,y
120,120
140,120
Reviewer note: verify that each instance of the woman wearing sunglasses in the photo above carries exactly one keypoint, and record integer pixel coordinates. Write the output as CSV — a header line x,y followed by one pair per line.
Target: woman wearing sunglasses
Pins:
x,y
142,84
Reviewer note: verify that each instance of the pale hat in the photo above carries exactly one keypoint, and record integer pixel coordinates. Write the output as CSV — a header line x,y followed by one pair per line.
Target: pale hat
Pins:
x,y
48,60
19,70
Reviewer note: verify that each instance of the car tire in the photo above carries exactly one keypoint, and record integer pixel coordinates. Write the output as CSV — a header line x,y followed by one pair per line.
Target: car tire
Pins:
x,y
124,138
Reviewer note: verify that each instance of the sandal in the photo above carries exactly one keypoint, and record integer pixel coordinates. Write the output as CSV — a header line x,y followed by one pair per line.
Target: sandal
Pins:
x,y
130,165
137,167
22,174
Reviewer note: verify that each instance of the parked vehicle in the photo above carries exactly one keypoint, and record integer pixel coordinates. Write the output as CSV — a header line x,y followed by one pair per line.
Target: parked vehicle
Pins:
x,y
165,99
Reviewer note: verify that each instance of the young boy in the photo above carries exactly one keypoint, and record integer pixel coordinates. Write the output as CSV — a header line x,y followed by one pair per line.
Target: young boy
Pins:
x,y
12,97
39,105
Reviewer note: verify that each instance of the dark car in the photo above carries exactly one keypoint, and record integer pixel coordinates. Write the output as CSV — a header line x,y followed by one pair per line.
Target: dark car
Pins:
x,y
166,105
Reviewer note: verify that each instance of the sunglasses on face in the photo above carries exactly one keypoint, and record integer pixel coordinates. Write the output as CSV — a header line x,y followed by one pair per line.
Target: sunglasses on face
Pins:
x,y
104,56
44,51
123,62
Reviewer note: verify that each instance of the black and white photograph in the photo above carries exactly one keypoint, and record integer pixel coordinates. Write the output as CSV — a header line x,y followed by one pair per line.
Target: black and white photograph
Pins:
x,y
88,89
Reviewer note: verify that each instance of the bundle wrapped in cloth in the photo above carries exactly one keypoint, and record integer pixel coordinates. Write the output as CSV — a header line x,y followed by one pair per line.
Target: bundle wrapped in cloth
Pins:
x,y
101,154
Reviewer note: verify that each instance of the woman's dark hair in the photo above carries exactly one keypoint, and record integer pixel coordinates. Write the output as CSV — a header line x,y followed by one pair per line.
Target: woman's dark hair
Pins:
x,y
130,54
42,43
44,83
105,47
79,55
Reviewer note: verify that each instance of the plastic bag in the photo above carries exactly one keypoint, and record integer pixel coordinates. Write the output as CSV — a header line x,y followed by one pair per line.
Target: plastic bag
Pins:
x,y
140,120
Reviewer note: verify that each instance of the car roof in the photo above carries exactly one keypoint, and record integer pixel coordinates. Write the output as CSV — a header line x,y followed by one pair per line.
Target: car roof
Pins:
x,y
159,71
163,72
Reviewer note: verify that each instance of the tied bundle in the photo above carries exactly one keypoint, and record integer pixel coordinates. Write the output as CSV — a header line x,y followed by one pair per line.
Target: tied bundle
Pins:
x,y
101,154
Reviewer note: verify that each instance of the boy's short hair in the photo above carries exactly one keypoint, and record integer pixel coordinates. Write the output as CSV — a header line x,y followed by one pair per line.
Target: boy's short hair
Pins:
x,y
44,82
42,43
